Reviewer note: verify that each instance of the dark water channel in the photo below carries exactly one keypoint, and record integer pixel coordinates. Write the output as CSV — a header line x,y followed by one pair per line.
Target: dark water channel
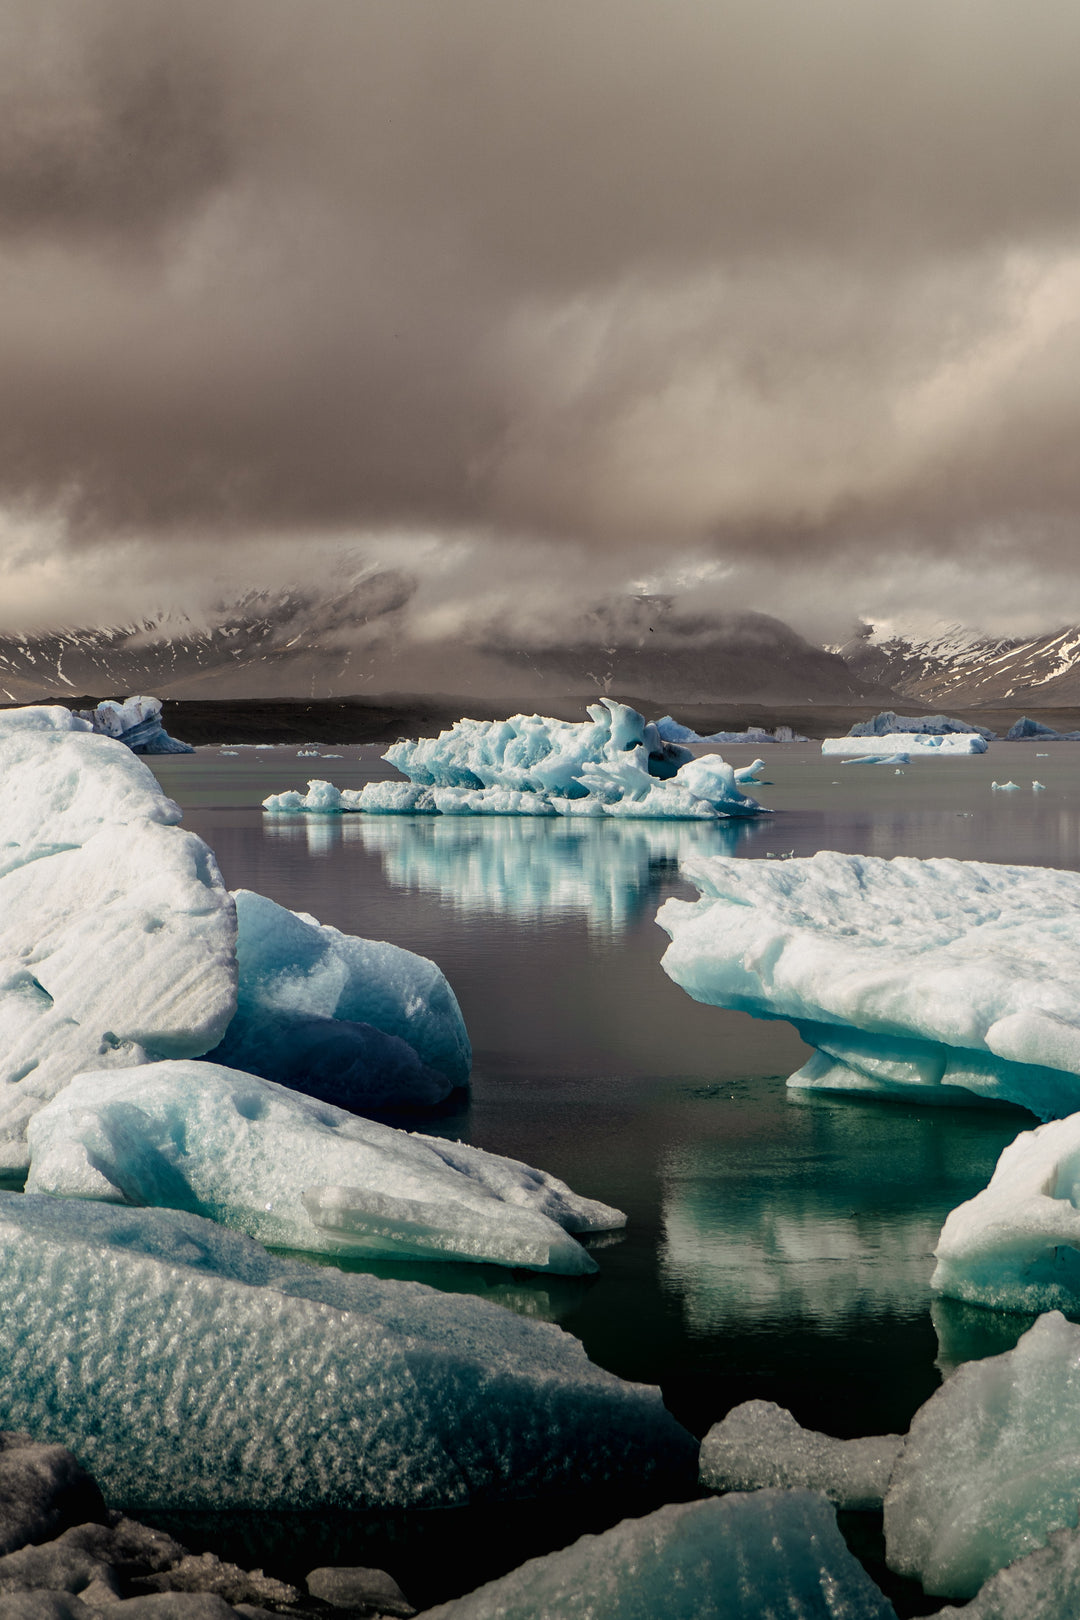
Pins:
x,y
778,1244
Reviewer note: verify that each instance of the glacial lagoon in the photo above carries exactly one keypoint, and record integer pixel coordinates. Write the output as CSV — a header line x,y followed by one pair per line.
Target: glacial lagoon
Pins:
x,y
778,1245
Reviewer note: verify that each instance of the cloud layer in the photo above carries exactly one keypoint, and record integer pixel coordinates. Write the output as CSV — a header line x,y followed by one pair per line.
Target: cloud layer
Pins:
x,y
780,297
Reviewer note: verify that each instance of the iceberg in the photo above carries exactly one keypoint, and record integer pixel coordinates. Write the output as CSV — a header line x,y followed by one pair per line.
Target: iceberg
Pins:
x,y
888,722
298,1174
672,732
759,1444
1016,1245
920,745
742,1557
942,975
991,1466
321,797
186,1367
117,936
357,1022
1026,730
137,723
612,765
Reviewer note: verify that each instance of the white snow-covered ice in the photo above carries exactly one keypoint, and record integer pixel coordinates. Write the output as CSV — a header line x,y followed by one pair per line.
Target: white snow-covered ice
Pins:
x,y
117,936
321,797
357,1022
187,1367
1016,1245
739,1558
991,1465
759,1444
137,723
945,975
299,1174
919,744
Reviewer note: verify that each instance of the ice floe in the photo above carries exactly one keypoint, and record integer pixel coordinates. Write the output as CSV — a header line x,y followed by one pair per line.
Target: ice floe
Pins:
x,y
1016,1245
357,1022
299,1174
938,974
759,1444
742,1557
187,1367
991,1465
919,744
614,764
137,723
117,936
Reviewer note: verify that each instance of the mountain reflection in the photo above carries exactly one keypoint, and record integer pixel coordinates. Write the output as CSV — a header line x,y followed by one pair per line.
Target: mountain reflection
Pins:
x,y
529,867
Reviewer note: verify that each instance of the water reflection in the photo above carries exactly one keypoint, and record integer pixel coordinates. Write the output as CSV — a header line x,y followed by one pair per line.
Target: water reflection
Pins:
x,y
321,834
526,867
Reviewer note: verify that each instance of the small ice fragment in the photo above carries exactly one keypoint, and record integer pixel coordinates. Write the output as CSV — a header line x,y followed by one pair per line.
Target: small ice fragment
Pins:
x,y
1038,787
1005,787
760,1444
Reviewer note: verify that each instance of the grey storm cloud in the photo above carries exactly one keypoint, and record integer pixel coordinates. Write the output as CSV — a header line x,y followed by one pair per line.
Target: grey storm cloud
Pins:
x,y
789,279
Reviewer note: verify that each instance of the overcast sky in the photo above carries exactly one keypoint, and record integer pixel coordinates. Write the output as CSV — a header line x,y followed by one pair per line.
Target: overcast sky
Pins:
x,y
771,303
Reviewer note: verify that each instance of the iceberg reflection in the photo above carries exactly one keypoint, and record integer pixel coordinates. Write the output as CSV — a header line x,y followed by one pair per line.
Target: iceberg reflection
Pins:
x,y
525,868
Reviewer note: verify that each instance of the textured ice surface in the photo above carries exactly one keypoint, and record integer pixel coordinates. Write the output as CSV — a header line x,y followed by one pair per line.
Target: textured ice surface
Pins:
x,y
1016,1245
671,731
116,932
41,717
321,796
357,1022
1043,1586
888,722
918,744
614,764
760,1444
739,1558
901,972
299,1174
1022,730
991,1465
137,723
186,1366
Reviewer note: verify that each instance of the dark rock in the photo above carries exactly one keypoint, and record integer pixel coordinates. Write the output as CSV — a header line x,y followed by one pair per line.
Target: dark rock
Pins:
x,y
44,1606
131,1548
43,1491
207,1573
370,1589
170,1606
54,1568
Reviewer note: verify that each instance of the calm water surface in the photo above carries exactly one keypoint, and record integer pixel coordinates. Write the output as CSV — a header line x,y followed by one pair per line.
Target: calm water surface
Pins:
x,y
778,1244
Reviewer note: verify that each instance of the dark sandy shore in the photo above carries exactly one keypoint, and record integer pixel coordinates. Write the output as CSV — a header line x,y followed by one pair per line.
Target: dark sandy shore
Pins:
x,y
384,720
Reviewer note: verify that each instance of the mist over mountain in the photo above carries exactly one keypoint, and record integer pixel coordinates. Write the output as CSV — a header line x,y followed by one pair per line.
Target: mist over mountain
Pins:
x,y
952,664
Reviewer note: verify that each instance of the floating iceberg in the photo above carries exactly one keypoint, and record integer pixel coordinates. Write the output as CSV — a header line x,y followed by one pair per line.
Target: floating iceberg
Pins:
x,y
612,765
888,722
321,797
1016,1246
920,745
117,935
357,1022
298,1174
760,1444
1025,730
939,974
991,1465
672,732
137,723
187,1367
742,1557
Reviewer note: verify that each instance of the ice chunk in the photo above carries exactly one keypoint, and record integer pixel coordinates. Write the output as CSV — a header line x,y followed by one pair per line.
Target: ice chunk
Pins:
x,y
1025,729
321,796
879,759
888,722
116,932
298,1174
929,971
760,1444
919,744
1043,1586
740,1557
137,723
1016,1245
1005,787
187,1367
671,731
357,1022
371,1591
41,717
991,1465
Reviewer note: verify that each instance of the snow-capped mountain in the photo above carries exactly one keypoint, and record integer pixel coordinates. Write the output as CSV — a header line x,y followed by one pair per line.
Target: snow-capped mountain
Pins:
x,y
951,663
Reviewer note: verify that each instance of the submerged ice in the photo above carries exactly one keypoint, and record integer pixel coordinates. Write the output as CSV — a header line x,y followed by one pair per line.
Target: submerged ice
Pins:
x,y
298,1174
187,1367
951,976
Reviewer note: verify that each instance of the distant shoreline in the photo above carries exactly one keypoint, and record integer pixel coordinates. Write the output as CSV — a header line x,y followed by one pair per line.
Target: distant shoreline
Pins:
x,y
361,720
